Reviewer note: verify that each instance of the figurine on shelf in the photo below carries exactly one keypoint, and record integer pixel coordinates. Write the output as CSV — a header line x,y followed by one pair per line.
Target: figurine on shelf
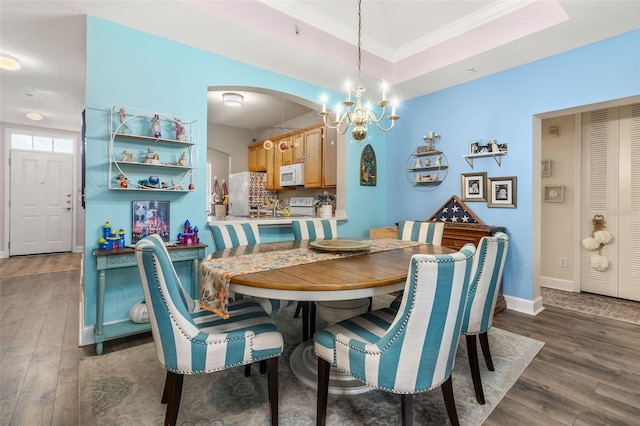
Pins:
x,y
177,186
148,157
182,161
180,131
122,180
124,129
128,157
438,160
155,127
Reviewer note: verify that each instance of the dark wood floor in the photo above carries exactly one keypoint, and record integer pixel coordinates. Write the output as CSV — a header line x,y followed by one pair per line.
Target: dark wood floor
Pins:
x,y
588,373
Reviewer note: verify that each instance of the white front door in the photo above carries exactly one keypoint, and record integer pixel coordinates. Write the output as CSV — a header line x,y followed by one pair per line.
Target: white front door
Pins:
x,y
41,203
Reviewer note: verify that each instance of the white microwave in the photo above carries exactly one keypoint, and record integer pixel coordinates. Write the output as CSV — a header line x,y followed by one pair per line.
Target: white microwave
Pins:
x,y
292,174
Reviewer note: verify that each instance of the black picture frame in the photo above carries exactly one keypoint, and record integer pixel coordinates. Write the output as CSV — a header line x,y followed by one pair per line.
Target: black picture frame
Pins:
x,y
150,217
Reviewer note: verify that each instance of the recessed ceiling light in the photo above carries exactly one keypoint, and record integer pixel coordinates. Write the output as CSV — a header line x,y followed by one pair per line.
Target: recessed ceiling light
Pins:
x,y
9,63
35,116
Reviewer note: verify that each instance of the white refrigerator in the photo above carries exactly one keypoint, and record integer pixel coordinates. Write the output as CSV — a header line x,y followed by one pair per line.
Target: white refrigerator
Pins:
x,y
247,190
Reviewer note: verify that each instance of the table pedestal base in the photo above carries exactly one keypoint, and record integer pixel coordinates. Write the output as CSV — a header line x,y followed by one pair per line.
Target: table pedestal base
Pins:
x,y
304,365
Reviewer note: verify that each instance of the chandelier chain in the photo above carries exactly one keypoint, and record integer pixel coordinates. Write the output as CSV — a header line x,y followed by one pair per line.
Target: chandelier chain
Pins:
x,y
359,42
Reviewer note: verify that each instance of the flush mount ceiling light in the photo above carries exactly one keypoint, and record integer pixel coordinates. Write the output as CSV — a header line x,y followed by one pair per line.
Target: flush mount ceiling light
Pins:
x,y
9,63
34,116
232,99
361,116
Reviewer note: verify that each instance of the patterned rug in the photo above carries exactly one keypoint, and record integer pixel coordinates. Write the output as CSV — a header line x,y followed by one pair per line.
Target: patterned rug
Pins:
x,y
125,387
603,306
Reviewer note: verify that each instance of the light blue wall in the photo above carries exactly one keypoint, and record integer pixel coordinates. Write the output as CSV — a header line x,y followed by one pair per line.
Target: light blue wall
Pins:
x,y
134,69
502,107
141,71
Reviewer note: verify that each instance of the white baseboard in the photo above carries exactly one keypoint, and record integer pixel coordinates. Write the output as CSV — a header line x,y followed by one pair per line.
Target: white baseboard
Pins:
x,y
3,255
529,307
557,284
79,249
87,336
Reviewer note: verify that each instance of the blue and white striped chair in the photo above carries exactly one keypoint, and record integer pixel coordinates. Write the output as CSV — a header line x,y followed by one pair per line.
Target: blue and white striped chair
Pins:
x,y
486,275
315,229
190,340
425,232
235,235
408,351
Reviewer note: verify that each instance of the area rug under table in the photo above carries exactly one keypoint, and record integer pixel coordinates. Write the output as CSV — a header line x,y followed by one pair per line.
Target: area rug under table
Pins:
x,y
125,387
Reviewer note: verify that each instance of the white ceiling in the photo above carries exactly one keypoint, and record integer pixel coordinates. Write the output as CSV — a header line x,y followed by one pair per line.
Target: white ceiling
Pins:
x,y
418,46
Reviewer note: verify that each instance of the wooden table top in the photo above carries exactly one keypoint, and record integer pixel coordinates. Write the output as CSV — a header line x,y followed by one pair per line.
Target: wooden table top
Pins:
x,y
366,271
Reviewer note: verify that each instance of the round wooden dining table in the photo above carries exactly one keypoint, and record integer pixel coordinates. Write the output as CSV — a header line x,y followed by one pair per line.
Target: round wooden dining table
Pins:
x,y
359,275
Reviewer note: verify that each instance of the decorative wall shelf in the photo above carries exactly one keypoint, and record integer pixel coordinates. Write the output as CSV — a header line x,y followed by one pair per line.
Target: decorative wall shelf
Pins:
x,y
497,156
145,162
426,169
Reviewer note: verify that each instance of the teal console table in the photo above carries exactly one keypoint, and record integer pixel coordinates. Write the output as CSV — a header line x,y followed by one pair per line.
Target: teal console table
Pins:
x,y
125,258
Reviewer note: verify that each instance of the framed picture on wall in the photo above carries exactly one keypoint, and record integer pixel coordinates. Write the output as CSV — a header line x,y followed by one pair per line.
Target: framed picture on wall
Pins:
x,y
150,217
474,186
546,168
554,194
501,192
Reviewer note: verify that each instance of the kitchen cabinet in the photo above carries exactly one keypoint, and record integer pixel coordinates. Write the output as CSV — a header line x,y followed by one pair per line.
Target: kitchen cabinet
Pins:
x,y
313,157
257,158
140,161
253,158
315,146
329,158
297,148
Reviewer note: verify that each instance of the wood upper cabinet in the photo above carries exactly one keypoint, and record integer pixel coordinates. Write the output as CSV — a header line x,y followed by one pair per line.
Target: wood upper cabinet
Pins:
x,y
274,161
287,155
271,170
315,146
253,158
257,158
313,157
297,148
329,158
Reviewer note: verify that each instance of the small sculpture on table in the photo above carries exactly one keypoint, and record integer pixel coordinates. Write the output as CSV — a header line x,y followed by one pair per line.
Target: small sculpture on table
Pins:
x,y
155,127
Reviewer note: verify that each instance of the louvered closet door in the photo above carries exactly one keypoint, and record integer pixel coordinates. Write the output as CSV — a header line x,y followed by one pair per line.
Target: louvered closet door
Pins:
x,y
629,203
611,188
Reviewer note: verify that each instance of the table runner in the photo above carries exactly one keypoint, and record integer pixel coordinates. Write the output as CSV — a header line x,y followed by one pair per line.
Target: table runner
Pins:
x,y
216,274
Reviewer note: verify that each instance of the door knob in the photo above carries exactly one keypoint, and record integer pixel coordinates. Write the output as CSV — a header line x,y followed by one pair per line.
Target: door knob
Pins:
x,y
68,208
68,195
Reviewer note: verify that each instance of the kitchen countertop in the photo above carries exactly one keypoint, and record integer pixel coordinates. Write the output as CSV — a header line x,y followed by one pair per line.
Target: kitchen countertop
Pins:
x,y
266,220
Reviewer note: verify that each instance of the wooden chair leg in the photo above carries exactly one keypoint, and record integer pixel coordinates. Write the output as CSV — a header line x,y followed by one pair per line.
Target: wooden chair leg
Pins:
x,y
407,409
272,381
323,391
247,370
449,401
472,354
165,393
173,398
486,352
263,367
308,320
298,309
